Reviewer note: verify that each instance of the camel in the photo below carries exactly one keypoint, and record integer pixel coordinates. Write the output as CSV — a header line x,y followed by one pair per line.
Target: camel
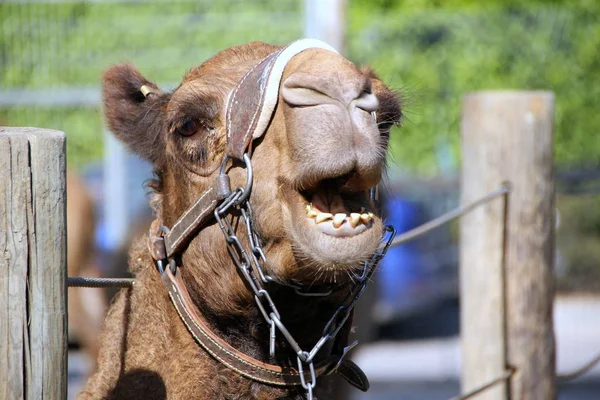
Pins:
x,y
264,158
86,305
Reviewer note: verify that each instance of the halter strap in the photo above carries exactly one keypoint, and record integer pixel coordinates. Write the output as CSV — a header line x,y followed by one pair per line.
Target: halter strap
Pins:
x,y
249,111
252,102
240,362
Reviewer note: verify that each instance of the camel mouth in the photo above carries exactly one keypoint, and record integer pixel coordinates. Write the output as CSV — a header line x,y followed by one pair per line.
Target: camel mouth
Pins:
x,y
335,212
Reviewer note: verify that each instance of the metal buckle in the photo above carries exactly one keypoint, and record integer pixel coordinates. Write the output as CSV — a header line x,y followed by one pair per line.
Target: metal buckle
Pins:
x,y
160,264
249,263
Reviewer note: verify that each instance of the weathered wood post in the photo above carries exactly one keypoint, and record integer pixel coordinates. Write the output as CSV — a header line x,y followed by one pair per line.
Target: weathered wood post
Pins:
x,y
506,277
33,337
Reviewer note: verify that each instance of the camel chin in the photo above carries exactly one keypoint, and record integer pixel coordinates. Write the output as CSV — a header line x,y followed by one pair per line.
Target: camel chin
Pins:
x,y
324,147
331,229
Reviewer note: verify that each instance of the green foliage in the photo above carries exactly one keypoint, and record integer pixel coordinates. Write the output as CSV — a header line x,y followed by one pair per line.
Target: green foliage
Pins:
x,y
433,51
52,45
82,126
435,54
578,240
72,43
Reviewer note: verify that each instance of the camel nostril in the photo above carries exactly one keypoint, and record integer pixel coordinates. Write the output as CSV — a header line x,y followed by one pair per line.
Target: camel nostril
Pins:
x,y
304,90
301,89
366,101
303,96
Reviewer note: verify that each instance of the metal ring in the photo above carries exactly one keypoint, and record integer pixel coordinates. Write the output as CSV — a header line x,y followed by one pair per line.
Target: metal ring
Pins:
x,y
249,177
224,164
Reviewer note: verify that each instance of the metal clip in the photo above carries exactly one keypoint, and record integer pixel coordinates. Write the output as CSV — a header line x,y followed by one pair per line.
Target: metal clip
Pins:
x,y
171,264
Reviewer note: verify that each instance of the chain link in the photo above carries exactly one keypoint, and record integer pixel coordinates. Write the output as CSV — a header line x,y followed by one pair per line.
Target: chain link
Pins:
x,y
259,258
250,264
313,377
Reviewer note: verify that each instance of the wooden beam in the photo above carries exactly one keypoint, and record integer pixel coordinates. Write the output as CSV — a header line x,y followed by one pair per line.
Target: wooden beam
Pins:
x,y
506,277
33,339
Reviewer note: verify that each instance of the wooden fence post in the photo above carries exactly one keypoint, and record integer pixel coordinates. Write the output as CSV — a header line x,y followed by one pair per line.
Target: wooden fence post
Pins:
x,y
506,277
33,337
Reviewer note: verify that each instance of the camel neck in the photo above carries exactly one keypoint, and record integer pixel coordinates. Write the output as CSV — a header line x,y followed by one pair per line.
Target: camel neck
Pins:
x,y
248,332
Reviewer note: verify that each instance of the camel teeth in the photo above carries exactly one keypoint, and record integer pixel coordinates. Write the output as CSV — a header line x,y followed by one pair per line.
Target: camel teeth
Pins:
x,y
338,220
354,219
365,218
323,217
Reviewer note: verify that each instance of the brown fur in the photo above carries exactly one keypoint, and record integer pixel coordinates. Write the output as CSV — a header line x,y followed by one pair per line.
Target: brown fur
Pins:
x,y
146,350
86,305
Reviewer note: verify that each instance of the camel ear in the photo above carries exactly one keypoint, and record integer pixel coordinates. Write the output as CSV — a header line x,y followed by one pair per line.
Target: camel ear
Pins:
x,y
135,111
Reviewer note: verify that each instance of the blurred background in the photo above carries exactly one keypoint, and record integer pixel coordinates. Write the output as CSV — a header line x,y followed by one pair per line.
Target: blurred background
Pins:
x,y
53,53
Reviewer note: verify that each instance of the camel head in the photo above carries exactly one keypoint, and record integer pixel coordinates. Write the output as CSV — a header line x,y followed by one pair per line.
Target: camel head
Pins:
x,y
323,149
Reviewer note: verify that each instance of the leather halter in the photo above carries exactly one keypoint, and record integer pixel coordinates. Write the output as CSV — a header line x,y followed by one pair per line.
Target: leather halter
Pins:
x,y
249,110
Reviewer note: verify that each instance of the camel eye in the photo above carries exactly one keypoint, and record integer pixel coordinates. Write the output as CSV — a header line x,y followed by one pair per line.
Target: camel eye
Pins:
x,y
188,127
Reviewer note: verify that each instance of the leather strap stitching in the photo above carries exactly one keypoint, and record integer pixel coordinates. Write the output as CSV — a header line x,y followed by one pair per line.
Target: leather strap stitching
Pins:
x,y
178,293
177,298
229,365
191,226
225,350
259,108
232,101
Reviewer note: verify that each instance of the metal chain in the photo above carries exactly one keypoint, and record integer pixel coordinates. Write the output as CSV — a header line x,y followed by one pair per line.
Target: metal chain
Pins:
x,y
259,259
250,266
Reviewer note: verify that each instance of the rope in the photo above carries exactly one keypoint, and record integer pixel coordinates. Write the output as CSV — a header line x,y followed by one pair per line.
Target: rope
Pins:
x,y
561,378
484,387
449,216
578,372
84,281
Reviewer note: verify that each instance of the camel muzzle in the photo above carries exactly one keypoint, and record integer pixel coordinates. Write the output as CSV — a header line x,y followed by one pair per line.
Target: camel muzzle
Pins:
x,y
249,110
